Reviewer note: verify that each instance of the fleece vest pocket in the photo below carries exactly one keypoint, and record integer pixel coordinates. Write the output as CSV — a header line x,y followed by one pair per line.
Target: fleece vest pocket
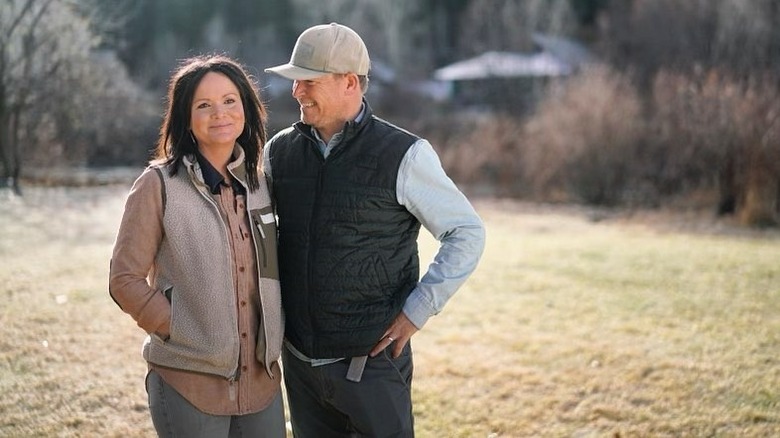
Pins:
x,y
264,232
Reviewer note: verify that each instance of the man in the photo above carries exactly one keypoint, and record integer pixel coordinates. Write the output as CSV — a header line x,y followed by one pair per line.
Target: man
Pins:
x,y
351,191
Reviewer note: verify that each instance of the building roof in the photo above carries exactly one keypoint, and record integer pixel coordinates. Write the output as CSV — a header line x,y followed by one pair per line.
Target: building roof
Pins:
x,y
503,64
558,57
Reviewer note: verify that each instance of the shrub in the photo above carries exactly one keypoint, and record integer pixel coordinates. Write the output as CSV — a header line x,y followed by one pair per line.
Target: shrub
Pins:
x,y
583,139
479,150
712,132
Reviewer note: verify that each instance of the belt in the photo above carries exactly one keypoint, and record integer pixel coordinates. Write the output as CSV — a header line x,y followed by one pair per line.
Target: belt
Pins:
x,y
356,367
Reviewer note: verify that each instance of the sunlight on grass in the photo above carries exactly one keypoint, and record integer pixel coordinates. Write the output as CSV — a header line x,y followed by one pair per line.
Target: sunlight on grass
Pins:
x,y
568,328
572,328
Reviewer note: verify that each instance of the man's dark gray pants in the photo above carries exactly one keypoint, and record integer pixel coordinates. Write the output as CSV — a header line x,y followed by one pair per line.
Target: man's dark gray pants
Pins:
x,y
323,403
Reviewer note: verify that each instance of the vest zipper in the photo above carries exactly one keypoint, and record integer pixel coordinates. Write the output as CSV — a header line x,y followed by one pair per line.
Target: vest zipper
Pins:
x,y
203,190
310,274
232,383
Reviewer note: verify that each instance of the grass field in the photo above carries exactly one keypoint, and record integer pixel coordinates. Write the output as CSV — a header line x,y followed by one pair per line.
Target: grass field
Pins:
x,y
576,324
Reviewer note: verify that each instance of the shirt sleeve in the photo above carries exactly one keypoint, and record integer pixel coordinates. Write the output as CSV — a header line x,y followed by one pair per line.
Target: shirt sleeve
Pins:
x,y
430,195
135,249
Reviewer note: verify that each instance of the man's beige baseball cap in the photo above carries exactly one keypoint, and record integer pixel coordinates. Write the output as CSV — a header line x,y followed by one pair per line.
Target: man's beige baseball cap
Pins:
x,y
323,49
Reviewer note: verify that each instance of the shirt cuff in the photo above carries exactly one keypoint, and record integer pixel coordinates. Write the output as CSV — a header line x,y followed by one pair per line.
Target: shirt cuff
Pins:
x,y
418,309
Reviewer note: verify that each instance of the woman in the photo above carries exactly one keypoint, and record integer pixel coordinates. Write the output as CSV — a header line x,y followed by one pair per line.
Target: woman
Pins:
x,y
194,261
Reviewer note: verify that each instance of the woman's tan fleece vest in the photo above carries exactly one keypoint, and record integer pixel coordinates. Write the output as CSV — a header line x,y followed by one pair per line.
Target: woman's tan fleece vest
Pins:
x,y
193,267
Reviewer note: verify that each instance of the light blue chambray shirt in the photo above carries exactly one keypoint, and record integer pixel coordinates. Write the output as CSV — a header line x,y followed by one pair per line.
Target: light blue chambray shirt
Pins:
x,y
430,195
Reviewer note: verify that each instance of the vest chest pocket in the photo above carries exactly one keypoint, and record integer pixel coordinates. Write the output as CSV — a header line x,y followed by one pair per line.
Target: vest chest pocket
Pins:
x,y
264,232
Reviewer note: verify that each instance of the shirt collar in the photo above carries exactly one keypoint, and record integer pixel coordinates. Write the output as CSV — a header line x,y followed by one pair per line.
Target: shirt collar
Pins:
x,y
361,113
338,135
211,176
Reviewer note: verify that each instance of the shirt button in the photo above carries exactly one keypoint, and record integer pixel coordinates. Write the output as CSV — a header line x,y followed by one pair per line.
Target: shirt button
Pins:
x,y
246,234
243,303
244,368
241,206
243,335
240,269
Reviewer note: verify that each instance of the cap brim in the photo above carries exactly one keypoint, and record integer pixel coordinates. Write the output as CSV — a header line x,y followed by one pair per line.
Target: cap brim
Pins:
x,y
295,73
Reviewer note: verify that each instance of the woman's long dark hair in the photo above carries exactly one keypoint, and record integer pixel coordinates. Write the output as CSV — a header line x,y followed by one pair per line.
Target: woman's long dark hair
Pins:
x,y
175,140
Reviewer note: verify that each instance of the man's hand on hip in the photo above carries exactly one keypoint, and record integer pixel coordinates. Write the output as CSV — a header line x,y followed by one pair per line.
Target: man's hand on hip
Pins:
x,y
397,335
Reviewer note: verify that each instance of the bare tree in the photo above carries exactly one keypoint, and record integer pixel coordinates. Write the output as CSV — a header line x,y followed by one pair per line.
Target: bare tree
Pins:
x,y
692,35
509,24
702,64
396,32
38,40
747,36
64,101
15,37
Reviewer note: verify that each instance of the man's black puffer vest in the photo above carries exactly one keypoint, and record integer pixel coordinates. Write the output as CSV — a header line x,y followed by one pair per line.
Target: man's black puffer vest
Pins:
x,y
347,249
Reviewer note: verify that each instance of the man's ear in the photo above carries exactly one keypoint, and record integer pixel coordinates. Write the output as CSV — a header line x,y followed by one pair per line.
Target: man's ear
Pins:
x,y
353,83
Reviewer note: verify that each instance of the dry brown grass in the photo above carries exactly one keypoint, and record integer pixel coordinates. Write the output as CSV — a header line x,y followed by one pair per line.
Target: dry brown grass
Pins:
x,y
69,359
576,324
576,328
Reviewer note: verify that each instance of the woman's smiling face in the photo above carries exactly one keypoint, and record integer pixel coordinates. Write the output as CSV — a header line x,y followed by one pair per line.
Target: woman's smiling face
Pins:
x,y
217,113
